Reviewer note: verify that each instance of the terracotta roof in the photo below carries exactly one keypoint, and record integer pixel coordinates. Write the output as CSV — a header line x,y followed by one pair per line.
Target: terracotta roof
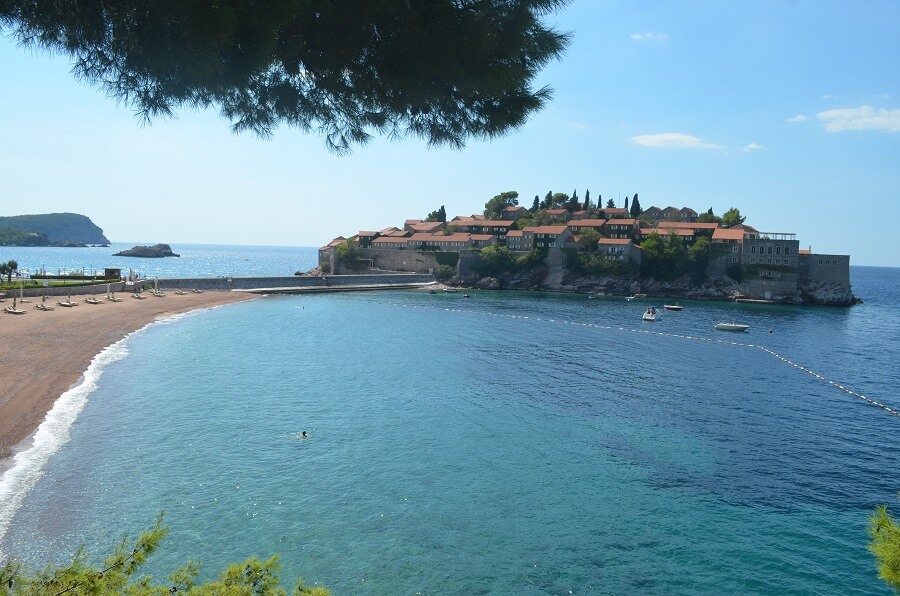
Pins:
x,y
546,229
556,211
390,240
515,233
389,230
688,225
587,223
481,237
622,222
485,223
614,241
689,210
615,210
426,226
728,234
678,230
804,251
396,234
367,234
410,222
422,237
512,208
337,241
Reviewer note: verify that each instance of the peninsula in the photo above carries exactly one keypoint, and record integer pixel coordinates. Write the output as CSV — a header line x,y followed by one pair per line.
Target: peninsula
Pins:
x,y
565,244
50,229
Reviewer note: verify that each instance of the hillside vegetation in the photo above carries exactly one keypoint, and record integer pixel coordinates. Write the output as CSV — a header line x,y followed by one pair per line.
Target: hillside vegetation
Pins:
x,y
50,229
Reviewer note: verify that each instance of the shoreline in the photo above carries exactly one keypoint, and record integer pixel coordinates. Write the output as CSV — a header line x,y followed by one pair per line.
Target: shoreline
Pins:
x,y
46,354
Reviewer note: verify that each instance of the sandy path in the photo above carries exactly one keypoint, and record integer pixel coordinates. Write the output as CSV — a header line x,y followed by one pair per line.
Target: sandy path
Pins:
x,y
42,354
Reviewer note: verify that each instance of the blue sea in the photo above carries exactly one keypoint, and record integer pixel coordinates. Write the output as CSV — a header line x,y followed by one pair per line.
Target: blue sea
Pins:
x,y
509,443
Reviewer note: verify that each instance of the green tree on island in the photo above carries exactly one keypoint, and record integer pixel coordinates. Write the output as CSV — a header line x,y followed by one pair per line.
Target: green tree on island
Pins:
x,y
498,203
437,215
709,217
732,217
635,210
587,200
573,204
610,204
444,71
117,575
536,205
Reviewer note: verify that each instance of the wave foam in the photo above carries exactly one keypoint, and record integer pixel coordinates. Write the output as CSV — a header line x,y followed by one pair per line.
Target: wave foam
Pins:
x,y
28,465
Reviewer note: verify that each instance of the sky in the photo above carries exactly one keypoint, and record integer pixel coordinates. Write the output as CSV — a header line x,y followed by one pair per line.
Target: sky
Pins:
x,y
788,110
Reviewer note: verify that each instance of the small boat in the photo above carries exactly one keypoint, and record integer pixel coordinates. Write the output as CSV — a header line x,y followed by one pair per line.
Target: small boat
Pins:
x,y
649,314
13,310
451,290
466,296
640,295
731,327
675,306
432,291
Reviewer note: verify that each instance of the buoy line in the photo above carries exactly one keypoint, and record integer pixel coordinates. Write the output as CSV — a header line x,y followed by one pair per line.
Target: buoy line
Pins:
x,y
772,353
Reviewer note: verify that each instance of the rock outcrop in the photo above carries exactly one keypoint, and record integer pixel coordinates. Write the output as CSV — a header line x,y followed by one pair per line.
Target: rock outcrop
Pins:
x,y
156,251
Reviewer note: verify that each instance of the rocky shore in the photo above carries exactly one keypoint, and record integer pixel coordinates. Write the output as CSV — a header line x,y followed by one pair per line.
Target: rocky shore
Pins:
x,y
557,279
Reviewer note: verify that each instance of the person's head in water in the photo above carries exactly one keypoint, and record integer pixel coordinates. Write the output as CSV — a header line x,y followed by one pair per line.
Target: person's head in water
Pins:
x,y
303,435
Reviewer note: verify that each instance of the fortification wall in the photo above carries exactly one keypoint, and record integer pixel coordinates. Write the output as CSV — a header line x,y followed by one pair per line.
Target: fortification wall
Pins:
x,y
400,260
827,268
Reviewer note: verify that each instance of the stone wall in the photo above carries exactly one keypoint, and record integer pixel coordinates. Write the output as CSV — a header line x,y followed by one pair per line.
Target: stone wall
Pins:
x,y
825,268
400,260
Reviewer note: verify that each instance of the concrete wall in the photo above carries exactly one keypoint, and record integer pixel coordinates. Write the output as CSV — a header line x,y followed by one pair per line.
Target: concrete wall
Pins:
x,y
237,283
401,260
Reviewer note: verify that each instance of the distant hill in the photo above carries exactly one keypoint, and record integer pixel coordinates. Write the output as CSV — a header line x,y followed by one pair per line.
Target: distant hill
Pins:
x,y
58,228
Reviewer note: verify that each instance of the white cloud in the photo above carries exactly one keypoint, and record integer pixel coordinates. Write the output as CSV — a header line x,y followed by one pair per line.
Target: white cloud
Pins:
x,y
797,118
752,147
861,118
649,36
674,140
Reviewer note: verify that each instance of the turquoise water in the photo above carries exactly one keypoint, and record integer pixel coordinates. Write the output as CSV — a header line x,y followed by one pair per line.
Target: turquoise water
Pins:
x,y
509,443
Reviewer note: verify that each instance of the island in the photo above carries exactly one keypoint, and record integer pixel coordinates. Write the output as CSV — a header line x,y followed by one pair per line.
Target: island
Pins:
x,y
565,244
157,251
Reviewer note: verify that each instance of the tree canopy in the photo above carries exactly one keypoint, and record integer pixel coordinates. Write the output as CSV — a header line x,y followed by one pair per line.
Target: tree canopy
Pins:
x,y
116,575
500,202
885,545
444,70
732,217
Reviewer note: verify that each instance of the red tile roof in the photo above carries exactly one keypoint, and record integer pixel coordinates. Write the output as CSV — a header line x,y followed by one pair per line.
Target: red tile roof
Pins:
x,y
515,234
622,222
587,223
546,229
728,234
614,241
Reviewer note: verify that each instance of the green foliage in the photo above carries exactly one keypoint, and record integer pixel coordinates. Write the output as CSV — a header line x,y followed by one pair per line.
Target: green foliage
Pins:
x,y
536,205
589,238
349,256
325,266
595,263
635,210
885,545
117,575
447,258
558,200
698,259
610,204
500,202
493,261
732,217
443,70
664,259
444,272
587,200
573,204
16,237
709,217
548,200
58,228
438,215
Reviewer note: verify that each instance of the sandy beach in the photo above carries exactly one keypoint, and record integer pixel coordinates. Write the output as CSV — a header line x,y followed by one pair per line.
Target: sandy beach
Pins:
x,y
45,353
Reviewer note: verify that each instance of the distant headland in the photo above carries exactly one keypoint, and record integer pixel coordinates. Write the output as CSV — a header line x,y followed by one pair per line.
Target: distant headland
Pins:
x,y
50,229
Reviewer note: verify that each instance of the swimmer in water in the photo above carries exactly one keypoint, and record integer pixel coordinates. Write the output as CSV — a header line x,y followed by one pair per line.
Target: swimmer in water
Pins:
x,y
303,435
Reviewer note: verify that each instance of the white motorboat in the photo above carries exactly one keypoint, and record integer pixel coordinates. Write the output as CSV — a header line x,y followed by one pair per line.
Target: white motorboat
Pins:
x,y
675,306
731,327
649,314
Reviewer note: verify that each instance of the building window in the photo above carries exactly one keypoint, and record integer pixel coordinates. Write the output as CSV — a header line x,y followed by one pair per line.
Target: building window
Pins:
x,y
787,250
770,249
769,261
753,249
820,261
777,250
734,248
